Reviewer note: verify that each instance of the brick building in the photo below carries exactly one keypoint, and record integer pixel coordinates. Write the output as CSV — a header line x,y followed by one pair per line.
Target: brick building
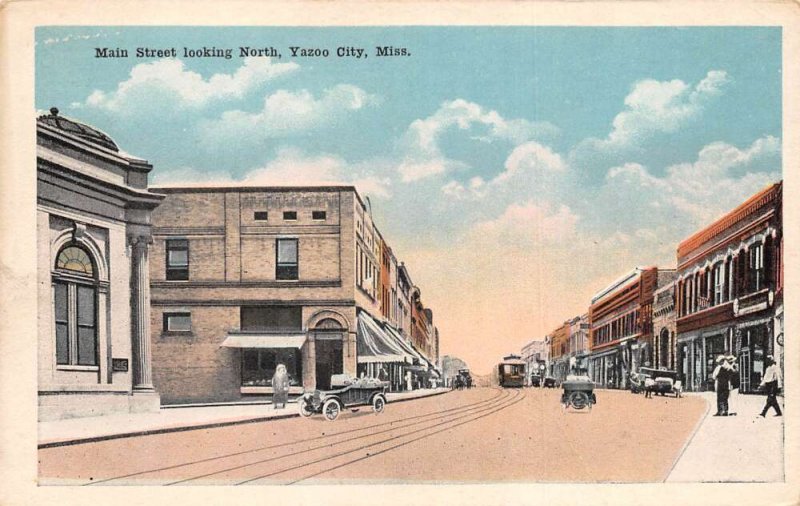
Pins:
x,y
664,327
93,236
620,320
730,292
559,352
578,348
245,278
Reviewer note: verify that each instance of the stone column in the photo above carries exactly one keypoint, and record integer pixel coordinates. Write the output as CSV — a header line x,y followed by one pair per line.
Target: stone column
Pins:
x,y
140,313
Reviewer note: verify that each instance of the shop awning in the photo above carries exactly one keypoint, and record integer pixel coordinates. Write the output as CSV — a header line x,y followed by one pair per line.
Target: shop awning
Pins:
x,y
374,344
264,341
409,349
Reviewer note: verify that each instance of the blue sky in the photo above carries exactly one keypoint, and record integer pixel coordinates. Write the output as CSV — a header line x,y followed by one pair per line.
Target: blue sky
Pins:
x,y
522,167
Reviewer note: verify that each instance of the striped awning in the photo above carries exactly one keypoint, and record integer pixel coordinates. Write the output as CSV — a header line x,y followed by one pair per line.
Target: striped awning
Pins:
x,y
374,344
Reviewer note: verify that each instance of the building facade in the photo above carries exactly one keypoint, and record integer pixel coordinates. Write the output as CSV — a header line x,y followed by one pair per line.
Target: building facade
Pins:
x,y
579,345
536,355
93,246
664,327
619,316
729,293
559,352
246,278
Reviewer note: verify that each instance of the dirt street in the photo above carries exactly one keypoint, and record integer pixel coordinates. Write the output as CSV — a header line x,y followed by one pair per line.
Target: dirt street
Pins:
x,y
462,436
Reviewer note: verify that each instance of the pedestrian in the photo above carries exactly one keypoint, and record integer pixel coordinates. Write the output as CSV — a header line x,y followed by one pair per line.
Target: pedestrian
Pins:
x,y
721,377
409,384
280,387
733,398
649,385
771,383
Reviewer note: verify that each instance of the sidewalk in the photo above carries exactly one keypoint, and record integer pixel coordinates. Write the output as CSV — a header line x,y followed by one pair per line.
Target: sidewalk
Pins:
x,y
174,419
741,448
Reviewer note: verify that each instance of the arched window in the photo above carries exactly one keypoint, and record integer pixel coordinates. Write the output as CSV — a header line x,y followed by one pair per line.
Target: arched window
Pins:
x,y
75,304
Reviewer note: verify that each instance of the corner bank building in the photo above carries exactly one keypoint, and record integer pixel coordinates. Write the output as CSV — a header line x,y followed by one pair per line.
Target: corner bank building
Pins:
x,y
93,237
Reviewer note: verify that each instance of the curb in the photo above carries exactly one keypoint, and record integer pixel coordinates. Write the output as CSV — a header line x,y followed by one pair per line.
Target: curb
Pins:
x,y
696,429
184,428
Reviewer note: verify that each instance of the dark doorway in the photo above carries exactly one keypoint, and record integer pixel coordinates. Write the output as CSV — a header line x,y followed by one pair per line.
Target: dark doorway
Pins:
x,y
328,358
663,344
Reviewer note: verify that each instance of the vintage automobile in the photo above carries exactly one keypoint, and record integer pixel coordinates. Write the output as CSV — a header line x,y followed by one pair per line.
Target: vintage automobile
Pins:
x,y
664,381
348,393
536,380
549,382
578,393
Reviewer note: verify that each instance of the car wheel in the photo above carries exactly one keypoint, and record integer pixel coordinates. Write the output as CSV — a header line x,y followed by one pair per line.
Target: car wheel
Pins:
x,y
305,409
378,404
578,400
331,409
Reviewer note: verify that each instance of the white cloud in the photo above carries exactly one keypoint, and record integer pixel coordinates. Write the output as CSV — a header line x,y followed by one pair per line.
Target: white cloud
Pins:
x,y
530,169
531,223
659,106
699,191
170,81
291,167
287,111
423,156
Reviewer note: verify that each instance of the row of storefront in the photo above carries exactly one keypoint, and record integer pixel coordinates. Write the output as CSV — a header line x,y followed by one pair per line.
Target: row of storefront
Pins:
x,y
724,298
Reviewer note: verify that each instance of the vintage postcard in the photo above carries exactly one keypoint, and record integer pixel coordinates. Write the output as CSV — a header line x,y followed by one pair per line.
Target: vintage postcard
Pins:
x,y
330,256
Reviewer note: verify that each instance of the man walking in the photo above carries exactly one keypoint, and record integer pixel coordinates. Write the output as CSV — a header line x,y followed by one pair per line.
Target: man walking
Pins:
x,y
771,382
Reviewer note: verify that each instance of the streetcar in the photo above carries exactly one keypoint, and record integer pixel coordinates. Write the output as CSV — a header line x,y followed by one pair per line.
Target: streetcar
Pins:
x,y
511,372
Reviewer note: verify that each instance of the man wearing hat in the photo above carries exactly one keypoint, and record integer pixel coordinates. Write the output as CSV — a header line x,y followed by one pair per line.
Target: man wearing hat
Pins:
x,y
771,382
722,383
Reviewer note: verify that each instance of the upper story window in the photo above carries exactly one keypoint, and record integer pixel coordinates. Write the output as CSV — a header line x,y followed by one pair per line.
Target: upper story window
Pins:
x,y
319,215
178,322
290,215
75,307
756,265
261,215
177,259
719,283
286,261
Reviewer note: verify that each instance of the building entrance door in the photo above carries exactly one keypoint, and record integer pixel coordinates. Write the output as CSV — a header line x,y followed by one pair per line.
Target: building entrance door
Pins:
x,y
328,360
744,370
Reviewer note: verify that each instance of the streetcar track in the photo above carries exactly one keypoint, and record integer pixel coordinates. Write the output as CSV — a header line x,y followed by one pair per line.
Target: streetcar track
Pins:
x,y
488,406
499,394
515,399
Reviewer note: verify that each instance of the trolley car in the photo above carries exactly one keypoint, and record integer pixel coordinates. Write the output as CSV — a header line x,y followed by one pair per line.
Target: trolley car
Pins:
x,y
511,372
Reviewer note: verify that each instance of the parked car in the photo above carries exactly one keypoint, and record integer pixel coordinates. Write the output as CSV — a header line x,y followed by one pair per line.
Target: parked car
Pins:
x,y
550,382
638,380
352,393
664,381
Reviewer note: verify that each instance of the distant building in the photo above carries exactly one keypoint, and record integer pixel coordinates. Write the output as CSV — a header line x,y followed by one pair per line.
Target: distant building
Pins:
x,y
578,349
93,241
536,355
559,352
730,292
620,318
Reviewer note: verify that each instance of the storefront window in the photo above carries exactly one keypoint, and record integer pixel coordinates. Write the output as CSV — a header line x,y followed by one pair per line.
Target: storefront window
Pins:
x,y
258,366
